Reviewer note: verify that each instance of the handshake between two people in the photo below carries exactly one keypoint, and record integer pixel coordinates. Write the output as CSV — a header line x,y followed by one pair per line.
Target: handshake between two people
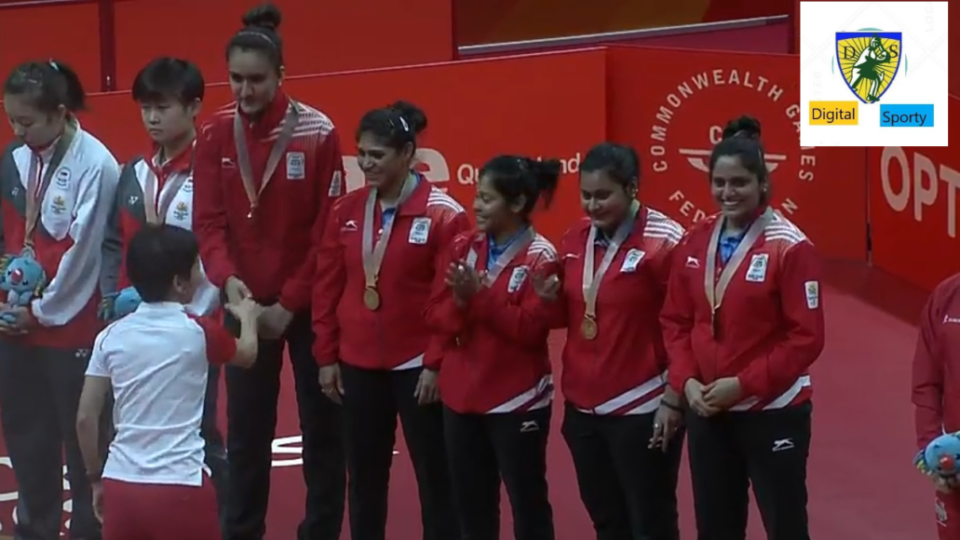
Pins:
x,y
271,321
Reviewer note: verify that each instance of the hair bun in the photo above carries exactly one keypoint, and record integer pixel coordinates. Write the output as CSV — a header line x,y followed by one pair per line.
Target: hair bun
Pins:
x,y
266,16
412,114
745,126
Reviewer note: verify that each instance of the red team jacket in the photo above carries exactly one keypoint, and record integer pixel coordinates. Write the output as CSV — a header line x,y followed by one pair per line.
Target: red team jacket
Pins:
x,y
273,252
395,336
494,351
769,328
68,236
623,370
936,364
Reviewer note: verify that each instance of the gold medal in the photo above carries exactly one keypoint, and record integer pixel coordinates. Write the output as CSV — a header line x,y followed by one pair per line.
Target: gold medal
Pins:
x,y
371,298
588,328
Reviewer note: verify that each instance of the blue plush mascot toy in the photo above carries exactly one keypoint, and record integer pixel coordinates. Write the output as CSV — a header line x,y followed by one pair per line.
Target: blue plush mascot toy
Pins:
x,y
23,279
941,457
120,304
126,302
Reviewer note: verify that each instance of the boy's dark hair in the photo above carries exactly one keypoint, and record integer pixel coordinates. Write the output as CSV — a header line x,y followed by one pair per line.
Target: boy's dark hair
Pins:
x,y
156,255
48,84
619,161
169,78
517,176
259,33
395,125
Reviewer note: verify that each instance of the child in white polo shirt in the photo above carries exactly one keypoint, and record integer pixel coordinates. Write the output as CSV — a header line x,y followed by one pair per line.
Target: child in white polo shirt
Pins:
x,y
154,483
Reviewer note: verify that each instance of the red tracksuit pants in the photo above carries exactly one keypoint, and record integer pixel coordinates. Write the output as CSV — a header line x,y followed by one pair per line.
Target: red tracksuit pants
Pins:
x,y
159,512
948,515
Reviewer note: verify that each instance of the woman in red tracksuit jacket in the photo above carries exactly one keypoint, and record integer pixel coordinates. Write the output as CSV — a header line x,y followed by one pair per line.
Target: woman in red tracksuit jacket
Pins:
x,y
492,330
743,322
266,173
381,251
935,393
621,422
57,183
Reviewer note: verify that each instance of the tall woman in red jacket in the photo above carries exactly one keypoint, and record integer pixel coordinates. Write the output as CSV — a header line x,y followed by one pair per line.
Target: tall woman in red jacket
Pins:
x,y
266,172
492,330
621,422
935,390
743,322
57,183
383,247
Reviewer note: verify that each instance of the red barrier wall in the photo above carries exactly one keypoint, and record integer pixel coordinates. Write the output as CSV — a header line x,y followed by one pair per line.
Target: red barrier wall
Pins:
x,y
913,210
319,36
675,117
497,21
25,34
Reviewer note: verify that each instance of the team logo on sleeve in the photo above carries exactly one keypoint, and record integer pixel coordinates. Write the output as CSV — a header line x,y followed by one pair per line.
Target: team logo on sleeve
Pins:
x,y
812,289
296,166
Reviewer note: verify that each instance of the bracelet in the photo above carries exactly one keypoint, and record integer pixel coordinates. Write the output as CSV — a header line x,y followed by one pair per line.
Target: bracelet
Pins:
x,y
671,406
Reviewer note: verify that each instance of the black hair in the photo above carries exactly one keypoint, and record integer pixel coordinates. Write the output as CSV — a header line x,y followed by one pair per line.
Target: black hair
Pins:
x,y
50,85
517,176
745,126
620,162
395,125
156,255
169,78
741,139
259,33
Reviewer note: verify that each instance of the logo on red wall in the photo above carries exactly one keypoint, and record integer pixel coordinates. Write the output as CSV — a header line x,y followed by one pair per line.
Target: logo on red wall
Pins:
x,y
690,121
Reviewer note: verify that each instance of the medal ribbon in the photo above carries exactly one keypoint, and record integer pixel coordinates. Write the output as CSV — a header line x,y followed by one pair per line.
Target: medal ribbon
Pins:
x,y
372,253
715,288
591,279
156,210
290,122
520,243
37,185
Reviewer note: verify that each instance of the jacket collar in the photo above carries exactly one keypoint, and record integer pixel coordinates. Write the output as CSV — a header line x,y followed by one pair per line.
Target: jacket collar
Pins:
x,y
416,205
270,118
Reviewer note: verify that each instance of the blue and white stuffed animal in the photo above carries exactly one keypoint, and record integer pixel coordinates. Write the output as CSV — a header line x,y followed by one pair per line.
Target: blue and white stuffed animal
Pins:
x,y
941,458
120,304
126,302
23,279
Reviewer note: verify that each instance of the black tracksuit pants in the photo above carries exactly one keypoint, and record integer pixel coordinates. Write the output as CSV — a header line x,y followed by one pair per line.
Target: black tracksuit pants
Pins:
x,y
371,403
251,422
39,395
214,448
629,490
765,449
482,449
